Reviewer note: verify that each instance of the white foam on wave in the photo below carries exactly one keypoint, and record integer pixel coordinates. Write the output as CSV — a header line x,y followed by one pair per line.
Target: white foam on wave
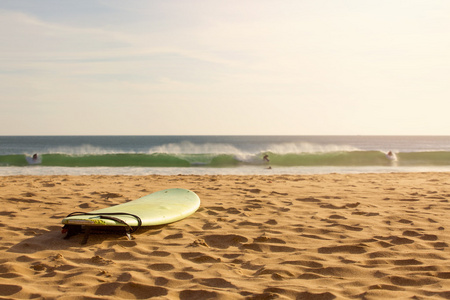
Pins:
x,y
246,154
223,148
288,148
192,148
85,149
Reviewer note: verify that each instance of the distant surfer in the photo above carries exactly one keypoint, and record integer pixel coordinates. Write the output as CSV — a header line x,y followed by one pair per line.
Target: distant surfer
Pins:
x,y
390,155
35,157
267,160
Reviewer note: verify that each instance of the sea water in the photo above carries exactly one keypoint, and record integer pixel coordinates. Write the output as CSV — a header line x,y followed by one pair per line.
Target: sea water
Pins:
x,y
171,155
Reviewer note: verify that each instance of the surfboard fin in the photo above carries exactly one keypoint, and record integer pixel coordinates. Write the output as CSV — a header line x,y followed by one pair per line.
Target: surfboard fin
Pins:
x,y
71,230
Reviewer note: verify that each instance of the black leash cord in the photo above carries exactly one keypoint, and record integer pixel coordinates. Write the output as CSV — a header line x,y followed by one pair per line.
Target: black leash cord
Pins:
x,y
109,217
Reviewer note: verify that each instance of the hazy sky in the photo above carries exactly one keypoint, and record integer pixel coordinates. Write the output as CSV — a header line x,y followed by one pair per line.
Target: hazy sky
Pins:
x,y
188,67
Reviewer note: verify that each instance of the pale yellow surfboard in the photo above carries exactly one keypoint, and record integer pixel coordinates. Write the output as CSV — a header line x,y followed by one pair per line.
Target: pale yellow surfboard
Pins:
x,y
159,208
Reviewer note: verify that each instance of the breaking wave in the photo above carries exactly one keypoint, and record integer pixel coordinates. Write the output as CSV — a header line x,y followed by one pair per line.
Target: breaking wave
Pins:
x,y
224,156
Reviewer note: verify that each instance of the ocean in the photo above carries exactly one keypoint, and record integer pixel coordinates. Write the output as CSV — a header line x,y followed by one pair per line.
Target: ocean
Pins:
x,y
227,155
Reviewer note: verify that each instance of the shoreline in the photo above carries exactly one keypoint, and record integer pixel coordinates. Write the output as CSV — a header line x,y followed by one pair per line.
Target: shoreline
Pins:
x,y
376,235
198,171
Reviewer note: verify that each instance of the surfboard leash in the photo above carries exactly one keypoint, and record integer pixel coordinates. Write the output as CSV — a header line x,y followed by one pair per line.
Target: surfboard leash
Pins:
x,y
110,217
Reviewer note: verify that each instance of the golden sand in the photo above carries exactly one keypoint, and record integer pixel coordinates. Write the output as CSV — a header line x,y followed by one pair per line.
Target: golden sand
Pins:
x,y
337,236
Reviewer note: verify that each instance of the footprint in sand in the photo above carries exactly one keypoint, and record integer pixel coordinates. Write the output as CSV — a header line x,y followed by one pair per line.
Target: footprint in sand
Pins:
x,y
9,289
265,239
440,246
387,287
225,241
160,253
174,236
443,275
265,247
110,195
253,204
321,296
352,249
277,274
401,241
183,276
407,262
211,226
84,205
412,281
254,191
98,260
10,214
217,283
429,237
161,267
197,294
139,291
337,217
308,199
28,194
271,222
309,276
278,193
124,277
304,263
233,211
248,223
199,258
161,281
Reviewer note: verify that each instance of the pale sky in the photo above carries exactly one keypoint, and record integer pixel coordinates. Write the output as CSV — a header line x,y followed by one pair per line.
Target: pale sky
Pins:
x,y
230,67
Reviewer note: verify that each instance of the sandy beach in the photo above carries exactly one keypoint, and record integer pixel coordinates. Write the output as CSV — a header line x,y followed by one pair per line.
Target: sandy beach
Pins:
x,y
336,236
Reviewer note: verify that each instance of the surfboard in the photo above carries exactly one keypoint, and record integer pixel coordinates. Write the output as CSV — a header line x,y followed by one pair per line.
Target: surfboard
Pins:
x,y
162,207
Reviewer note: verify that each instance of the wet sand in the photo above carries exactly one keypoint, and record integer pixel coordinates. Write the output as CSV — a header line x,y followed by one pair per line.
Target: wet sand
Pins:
x,y
337,236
